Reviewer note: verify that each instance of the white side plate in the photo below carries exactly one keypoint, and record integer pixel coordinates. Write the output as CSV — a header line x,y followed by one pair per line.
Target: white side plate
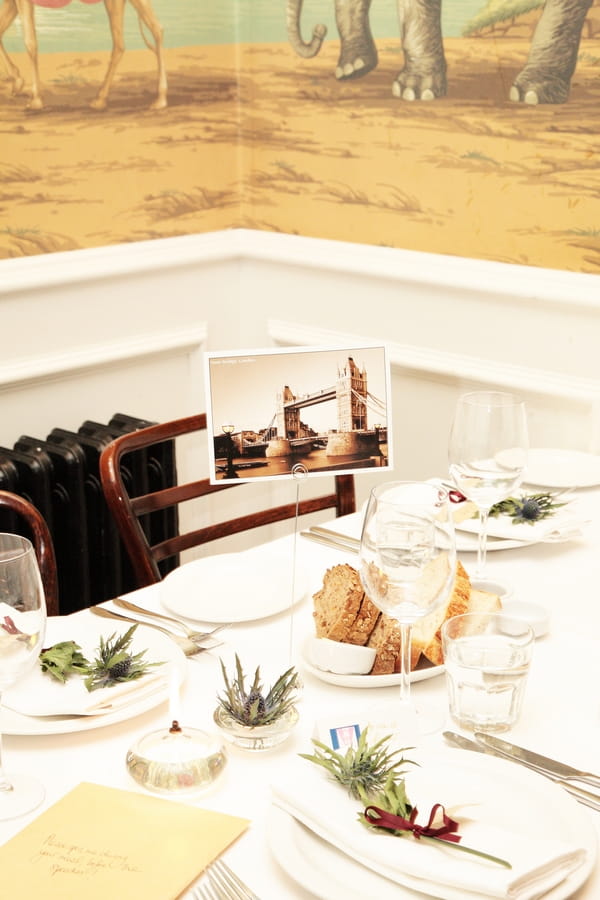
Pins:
x,y
233,587
555,468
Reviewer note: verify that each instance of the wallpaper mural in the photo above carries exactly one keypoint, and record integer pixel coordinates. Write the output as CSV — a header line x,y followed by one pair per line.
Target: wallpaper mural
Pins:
x,y
469,130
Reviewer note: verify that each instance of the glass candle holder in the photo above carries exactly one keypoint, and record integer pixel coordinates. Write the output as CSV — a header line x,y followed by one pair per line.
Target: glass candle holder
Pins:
x,y
177,760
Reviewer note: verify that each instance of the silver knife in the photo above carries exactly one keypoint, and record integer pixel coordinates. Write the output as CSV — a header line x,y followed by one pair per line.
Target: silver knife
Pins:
x,y
553,766
330,541
584,797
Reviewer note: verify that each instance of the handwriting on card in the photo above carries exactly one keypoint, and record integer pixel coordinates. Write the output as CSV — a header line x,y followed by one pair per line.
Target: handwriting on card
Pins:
x,y
78,860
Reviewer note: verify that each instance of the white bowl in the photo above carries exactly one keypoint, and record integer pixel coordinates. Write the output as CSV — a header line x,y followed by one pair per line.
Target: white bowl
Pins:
x,y
491,586
531,613
343,659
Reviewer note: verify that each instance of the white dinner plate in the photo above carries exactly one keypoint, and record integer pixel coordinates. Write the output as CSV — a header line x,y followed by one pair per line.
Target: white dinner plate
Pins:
x,y
86,630
233,587
555,468
506,790
365,681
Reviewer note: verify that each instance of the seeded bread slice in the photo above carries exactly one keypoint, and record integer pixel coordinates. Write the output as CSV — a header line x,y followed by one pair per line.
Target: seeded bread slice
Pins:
x,y
337,603
366,619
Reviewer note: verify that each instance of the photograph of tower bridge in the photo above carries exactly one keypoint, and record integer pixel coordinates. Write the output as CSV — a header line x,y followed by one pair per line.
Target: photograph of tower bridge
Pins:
x,y
272,413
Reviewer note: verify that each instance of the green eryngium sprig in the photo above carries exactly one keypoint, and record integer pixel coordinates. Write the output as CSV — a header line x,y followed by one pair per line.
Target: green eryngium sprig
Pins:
x,y
253,707
362,771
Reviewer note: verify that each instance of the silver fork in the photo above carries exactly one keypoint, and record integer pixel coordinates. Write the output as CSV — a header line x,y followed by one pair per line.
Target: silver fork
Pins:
x,y
190,648
219,882
189,632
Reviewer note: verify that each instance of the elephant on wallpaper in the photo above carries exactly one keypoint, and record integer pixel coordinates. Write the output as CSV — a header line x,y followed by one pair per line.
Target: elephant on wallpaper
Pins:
x,y
546,77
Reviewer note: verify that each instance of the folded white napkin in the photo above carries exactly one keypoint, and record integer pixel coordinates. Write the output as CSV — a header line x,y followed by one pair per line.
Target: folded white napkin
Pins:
x,y
565,522
443,871
39,694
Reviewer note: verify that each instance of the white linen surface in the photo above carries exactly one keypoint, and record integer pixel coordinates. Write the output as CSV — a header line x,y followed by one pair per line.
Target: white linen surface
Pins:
x,y
40,694
538,863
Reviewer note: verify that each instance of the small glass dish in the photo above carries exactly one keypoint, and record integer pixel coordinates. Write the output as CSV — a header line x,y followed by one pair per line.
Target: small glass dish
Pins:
x,y
176,760
256,737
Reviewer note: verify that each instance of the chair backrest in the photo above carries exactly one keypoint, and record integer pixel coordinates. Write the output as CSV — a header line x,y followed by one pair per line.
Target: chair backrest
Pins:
x,y
36,529
127,510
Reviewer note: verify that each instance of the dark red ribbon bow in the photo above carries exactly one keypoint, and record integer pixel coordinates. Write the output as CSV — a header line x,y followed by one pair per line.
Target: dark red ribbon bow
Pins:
x,y
445,832
10,626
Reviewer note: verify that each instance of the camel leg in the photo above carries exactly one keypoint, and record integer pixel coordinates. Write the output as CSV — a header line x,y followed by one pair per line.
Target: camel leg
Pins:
x,y
8,13
25,11
114,10
148,18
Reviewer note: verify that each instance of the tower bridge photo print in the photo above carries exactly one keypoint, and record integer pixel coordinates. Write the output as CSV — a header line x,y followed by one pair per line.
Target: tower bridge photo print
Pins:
x,y
272,413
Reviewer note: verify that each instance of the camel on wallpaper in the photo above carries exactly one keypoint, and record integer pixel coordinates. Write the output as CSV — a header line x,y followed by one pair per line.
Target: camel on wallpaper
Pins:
x,y
546,77
10,9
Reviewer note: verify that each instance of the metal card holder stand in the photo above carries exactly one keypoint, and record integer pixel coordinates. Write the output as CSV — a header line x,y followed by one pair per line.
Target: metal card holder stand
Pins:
x,y
299,474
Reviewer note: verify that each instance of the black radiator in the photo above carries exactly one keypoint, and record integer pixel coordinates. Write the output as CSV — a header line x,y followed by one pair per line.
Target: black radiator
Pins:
x,y
60,476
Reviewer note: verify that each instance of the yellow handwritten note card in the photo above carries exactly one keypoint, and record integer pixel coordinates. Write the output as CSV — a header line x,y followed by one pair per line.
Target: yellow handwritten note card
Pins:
x,y
98,842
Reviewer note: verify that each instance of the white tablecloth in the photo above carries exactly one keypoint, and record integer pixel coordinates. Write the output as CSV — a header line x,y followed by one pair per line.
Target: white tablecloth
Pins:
x,y
561,716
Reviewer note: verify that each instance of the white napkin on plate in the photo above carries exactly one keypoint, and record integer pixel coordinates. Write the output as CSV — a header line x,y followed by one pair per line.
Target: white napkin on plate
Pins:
x,y
39,694
565,522
443,871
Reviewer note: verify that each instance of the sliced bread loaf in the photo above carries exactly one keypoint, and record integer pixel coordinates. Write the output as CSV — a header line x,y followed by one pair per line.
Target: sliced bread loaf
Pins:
x,y
337,604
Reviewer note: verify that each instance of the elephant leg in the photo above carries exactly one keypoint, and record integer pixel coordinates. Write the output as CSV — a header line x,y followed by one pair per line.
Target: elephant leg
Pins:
x,y
547,75
8,13
424,74
358,54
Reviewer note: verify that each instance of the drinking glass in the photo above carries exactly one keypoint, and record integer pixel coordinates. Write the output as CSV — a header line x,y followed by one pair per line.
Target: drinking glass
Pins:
x,y
487,453
22,629
408,565
487,660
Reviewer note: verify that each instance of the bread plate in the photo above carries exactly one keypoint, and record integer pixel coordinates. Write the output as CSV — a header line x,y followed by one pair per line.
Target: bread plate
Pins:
x,y
423,672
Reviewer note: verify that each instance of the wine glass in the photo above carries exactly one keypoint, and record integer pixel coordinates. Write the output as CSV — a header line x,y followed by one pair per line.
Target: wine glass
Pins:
x,y
22,629
408,567
487,453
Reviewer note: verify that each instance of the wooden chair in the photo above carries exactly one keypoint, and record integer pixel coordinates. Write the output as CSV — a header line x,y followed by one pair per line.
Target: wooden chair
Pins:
x,y
36,529
128,510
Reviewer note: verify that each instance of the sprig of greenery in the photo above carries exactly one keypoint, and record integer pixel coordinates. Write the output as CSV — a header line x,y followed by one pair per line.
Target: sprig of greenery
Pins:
x,y
253,707
63,660
114,663
527,508
362,771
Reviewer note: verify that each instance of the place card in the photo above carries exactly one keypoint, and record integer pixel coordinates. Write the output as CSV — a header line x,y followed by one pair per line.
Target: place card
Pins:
x,y
99,842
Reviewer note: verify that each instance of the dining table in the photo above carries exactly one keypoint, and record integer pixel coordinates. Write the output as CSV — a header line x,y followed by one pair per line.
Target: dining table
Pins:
x,y
560,716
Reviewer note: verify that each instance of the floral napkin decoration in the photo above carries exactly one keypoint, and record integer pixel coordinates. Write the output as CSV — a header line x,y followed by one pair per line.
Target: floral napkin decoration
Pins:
x,y
530,508
374,776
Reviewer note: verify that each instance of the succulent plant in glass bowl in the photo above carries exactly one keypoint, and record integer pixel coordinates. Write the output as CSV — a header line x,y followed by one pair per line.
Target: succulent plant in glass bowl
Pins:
x,y
253,718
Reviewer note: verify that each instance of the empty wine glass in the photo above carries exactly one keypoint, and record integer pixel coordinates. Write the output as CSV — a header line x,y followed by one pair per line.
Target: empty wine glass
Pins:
x,y
22,629
487,453
408,567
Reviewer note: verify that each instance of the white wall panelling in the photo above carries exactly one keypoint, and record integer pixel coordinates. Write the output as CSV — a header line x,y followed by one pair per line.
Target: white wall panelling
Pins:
x,y
124,328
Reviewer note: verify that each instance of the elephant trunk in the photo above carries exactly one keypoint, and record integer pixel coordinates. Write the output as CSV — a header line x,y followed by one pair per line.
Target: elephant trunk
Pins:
x,y
293,12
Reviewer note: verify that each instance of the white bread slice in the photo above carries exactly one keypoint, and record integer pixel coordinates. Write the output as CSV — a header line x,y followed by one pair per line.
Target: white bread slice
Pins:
x,y
385,637
480,602
426,631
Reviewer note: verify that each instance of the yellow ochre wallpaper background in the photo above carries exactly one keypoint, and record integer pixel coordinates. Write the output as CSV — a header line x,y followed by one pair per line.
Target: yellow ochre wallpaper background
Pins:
x,y
255,136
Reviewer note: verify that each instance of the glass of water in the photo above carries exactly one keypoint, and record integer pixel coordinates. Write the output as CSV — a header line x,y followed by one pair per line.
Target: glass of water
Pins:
x,y
487,658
